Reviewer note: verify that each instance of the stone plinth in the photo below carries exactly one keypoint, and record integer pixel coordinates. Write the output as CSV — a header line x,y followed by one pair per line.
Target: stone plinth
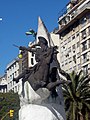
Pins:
x,y
38,112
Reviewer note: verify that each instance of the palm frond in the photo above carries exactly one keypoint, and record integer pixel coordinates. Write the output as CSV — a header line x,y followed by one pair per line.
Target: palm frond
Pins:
x,y
76,95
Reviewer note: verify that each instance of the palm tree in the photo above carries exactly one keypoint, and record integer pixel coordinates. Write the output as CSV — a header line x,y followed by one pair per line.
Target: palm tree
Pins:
x,y
77,97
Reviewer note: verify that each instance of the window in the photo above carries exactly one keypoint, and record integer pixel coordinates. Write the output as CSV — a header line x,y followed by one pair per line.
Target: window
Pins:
x,y
73,37
74,68
73,47
32,54
62,49
89,30
78,44
85,69
32,61
66,70
15,73
89,43
69,49
15,65
15,88
12,68
78,55
66,62
70,59
66,54
74,59
88,17
84,46
85,58
77,34
83,21
65,42
83,34
61,43
70,69
79,66
69,39
62,65
10,77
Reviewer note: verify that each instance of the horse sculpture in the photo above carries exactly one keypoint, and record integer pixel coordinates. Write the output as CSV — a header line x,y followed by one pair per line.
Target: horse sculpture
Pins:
x,y
42,79
40,74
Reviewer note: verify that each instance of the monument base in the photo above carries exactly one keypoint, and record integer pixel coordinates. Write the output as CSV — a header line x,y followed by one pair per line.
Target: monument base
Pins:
x,y
40,112
39,105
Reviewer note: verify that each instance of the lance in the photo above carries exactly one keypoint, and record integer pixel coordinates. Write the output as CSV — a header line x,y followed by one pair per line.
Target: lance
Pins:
x,y
16,46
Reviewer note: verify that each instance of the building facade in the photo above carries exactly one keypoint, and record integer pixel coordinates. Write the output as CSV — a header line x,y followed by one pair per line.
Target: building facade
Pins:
x,y
31,56
3,84
12,71
74,35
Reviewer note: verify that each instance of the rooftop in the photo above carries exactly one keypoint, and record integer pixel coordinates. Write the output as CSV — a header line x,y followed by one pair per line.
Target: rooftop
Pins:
x,y
75,14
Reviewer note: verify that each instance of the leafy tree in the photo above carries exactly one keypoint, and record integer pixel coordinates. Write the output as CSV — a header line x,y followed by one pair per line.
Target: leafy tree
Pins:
x,y
77,97
9,101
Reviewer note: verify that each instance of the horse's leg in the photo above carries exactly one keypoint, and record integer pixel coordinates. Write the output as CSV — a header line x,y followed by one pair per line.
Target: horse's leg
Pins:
x,y
52,85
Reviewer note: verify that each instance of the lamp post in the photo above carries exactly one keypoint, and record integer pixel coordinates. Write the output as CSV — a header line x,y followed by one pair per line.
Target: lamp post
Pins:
x,y
31,32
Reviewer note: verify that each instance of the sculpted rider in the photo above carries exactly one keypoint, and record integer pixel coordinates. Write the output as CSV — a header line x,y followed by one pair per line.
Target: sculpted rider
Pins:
x,y
39,75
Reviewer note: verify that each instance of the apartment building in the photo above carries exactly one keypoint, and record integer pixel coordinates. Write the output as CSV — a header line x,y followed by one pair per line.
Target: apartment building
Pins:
x,y
12,71
3,84
74,35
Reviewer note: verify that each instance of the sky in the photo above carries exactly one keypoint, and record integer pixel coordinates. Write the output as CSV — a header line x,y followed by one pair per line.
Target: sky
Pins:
x,y
18,16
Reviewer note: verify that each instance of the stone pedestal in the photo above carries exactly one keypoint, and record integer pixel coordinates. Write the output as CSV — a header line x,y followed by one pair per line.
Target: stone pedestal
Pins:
x,y
38,112
39,105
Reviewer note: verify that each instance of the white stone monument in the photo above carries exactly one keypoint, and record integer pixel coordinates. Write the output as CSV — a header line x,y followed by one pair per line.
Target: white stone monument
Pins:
x,y
39,104
34,106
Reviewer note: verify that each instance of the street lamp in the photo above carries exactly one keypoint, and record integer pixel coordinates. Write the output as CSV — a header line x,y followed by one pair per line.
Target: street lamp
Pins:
x,y
31,32
20,56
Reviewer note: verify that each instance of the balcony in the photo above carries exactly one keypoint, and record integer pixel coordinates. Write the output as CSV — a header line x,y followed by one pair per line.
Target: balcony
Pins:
x,y
75,15
69,8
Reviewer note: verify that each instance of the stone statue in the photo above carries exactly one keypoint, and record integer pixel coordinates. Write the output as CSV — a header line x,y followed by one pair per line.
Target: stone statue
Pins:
x,y
43,78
